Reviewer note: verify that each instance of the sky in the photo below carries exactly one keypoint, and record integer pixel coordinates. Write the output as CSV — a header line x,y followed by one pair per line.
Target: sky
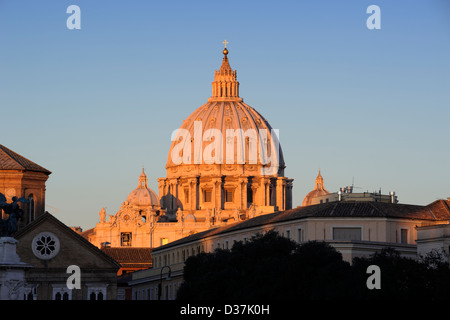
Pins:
x,y
370,107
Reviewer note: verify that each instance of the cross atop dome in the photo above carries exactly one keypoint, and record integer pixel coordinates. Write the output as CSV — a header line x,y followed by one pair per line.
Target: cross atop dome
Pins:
x,y
225,50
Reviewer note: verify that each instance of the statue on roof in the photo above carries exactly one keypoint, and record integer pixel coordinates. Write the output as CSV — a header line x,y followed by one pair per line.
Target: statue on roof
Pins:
x,y
8,226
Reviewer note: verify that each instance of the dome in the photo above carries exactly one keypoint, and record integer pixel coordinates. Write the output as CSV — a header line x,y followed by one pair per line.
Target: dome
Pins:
x,y
226,131
225,158
190,218
319,190
143,196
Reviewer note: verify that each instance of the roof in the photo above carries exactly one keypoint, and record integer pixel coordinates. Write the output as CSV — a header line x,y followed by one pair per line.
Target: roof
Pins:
x,y
130,257
436,211
440,208
87,233
10,160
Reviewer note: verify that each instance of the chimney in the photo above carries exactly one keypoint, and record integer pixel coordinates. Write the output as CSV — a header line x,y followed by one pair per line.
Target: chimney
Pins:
x,y
392,194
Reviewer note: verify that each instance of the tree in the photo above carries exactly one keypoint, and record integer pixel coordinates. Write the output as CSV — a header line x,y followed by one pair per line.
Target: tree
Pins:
x,y
268,266
401,278
271,267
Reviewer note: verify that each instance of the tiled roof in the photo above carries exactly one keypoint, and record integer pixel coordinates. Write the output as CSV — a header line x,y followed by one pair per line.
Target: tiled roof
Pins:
x,y
130,257
87,233
9,160
440,209
435,211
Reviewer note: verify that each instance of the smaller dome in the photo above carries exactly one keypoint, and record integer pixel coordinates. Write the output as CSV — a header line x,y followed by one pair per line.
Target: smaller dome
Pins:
x,y
190,217
319,190
143,196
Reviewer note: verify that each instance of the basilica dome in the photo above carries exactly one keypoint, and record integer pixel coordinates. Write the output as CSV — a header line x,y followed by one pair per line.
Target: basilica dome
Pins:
x,y
225,161
143,196
225,131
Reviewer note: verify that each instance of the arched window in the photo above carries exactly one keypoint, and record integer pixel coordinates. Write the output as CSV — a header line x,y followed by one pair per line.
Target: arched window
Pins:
x,y
31,208
97,293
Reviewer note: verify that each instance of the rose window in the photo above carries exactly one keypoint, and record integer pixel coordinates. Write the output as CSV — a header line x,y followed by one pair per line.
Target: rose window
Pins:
x,y
45,245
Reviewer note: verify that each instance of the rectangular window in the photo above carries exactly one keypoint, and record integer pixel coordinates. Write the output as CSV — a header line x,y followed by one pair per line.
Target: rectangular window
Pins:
x,y
228,196
249,195
346,233
186,196
300,235
403,235
125,239
164,241
271,196
207,195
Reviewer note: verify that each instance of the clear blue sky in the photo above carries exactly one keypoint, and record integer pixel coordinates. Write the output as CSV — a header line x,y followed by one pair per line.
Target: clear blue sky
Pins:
x,y
95,105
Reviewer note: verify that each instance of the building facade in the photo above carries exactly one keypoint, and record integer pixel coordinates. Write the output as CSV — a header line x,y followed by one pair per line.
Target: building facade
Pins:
x,y
50,247
22,178
354,228
435,237
44,246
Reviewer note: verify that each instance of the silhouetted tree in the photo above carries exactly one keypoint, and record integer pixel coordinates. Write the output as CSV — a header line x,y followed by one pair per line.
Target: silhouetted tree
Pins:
x,y
272,267
404,278
268,266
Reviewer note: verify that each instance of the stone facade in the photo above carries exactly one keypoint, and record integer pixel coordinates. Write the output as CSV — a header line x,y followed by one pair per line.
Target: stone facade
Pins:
x,y
20,177
231,170
50,247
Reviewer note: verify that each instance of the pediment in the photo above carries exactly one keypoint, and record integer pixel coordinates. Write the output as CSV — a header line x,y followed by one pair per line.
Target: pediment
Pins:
x,y
73,249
